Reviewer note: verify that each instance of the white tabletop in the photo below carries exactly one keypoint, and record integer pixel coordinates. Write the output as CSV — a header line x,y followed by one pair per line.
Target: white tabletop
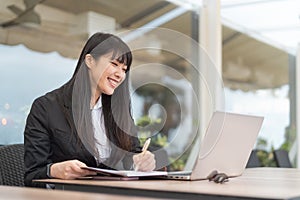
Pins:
x,y
271,183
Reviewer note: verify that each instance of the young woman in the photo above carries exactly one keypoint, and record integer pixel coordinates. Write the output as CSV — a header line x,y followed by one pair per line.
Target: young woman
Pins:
x,y
87,121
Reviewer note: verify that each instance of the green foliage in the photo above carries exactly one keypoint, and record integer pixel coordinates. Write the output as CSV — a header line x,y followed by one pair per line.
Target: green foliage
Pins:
x,y
265,154
146,120
145,125
177,165
290,137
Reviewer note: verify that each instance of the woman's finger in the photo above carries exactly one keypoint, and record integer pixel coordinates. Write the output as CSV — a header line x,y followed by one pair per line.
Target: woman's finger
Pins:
x,y
144,162
147,165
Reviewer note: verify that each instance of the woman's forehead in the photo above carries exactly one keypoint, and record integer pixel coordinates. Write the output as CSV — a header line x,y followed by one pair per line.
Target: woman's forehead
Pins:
x,y
113,55
114,58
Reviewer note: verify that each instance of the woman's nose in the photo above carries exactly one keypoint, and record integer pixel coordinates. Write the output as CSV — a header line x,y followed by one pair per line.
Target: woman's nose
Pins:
x,y
119,72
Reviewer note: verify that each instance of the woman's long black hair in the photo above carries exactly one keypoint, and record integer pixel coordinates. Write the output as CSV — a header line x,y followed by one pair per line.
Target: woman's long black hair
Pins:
x,y
116,108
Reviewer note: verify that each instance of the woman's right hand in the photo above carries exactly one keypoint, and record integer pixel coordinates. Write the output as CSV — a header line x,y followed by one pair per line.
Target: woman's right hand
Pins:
x,y
70,169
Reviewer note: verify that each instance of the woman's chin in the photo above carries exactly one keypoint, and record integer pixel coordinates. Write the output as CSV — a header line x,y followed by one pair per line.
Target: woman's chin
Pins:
x,y
109,92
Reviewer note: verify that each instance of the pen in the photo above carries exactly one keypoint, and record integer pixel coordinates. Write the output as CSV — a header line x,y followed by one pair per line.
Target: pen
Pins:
x,y
144,149
146,145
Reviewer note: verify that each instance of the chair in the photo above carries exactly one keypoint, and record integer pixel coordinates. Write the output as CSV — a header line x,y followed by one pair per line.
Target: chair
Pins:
x,y
12,165
253,160
282,158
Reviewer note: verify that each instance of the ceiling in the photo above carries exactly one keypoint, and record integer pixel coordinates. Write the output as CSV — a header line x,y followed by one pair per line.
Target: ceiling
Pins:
x,y
276,22
248,63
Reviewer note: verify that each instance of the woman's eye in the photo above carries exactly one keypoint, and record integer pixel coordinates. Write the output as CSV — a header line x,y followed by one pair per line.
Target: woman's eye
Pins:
x,y
114,64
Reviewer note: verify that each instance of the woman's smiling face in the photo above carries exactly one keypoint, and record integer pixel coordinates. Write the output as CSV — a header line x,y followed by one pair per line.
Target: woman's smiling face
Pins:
x,y
106,74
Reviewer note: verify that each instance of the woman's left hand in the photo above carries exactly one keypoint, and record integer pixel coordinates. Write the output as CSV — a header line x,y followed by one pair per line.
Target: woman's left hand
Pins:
x,y
144,162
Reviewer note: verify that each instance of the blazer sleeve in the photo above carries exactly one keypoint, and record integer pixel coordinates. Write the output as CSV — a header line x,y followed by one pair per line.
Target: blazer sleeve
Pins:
x,y
36,143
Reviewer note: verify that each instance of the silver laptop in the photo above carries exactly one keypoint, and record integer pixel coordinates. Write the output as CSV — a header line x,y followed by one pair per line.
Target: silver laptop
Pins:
x,y
225,147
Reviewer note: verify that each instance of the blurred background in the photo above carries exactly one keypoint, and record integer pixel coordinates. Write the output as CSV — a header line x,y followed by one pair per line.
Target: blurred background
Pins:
x,y
40,41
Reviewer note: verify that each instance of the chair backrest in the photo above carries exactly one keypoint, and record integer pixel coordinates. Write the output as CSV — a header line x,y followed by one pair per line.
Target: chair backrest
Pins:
x,y
253,160
12,165
282,158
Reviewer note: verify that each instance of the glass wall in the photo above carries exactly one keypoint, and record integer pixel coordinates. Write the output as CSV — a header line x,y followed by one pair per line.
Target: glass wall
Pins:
x,y
164,73
273,104
24,76
256,77
162,82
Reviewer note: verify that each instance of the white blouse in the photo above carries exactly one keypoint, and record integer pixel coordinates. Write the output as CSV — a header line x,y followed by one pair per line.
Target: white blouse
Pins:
x,y
102,142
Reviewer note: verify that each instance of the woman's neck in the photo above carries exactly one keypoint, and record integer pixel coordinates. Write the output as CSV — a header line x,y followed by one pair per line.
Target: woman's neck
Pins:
x,y
94,97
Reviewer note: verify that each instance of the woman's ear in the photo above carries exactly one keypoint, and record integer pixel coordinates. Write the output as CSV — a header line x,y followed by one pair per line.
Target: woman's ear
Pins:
x,y
89,61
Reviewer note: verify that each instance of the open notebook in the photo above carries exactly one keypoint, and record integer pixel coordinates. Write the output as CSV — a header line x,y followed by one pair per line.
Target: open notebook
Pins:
x,y
123,173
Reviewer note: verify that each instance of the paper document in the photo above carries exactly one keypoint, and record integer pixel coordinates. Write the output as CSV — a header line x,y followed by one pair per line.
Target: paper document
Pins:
x,y
125,173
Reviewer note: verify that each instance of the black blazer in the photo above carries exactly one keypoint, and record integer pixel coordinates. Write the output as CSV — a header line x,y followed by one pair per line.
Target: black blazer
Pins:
x,y
49,137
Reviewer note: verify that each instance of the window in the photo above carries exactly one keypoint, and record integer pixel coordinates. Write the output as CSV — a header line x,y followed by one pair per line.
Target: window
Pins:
x,y
24,76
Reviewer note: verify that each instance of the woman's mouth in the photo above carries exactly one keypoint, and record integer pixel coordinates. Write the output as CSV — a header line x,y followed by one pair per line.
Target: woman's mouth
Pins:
x,y
114,83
